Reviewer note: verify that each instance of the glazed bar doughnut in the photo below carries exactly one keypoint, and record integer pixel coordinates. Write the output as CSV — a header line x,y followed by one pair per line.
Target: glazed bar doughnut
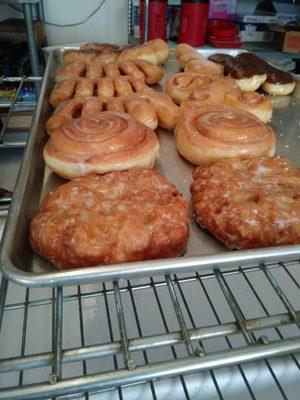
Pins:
x,y
116,218
202,65
100,143
155,51
147,106
207,134
182,84
138,69
104,87
249,203
251,72
250,101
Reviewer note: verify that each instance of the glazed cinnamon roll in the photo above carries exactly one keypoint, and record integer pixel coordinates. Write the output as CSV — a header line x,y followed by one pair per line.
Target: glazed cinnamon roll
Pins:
x,y
252,102
182,84
208,134
211,94
100,143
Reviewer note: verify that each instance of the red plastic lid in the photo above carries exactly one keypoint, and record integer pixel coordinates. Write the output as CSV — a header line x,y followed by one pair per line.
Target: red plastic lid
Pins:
x,y
221,28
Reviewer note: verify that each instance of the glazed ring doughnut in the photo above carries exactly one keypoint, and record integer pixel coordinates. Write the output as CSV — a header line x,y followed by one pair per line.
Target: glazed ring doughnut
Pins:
x,y
208,134
252,102
249,203
100,143
182,84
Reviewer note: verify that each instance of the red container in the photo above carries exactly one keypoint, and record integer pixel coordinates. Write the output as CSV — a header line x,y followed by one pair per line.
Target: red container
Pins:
x,y
193,22
157,19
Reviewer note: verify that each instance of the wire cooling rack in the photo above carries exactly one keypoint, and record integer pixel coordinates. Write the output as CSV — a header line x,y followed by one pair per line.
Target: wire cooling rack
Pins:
x,y
223,334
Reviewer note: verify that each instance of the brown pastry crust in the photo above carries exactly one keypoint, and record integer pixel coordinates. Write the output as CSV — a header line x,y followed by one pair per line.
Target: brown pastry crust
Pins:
x,y
209,95
100,143
119,217
252,102
249,203
182,84
138,69
207,134
120,86
147,106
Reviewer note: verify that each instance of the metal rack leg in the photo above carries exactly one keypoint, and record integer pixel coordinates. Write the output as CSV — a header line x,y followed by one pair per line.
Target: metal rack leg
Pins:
x,y
57,337
3,293
31,40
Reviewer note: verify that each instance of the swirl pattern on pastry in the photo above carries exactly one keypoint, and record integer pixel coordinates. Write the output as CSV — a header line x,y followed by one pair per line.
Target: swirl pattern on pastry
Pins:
x,y
119,217
211,94
107,141
182,84
249,203
208,134
252,102
119,86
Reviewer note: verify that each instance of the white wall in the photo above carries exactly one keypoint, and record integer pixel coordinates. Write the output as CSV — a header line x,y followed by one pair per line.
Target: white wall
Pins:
x,y
109,24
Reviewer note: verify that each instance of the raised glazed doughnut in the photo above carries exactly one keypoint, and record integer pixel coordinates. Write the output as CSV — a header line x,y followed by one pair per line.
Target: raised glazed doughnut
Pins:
x,y
208,134
182,84
116,218
161,49
252,102
100,143
249,203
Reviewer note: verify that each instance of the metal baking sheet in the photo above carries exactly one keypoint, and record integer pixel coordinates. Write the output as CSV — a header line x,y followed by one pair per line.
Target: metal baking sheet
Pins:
x,y
22,266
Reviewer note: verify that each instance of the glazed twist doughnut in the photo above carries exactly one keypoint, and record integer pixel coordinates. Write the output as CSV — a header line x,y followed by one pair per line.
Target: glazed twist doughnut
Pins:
x,y
252,102
149,107
182,84
202,65
138,69
208,134
100,143
119,217
104,87
249,203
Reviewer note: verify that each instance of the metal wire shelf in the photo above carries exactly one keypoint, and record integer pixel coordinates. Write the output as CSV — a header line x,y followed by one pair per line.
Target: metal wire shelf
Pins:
x,y
13,106
210,325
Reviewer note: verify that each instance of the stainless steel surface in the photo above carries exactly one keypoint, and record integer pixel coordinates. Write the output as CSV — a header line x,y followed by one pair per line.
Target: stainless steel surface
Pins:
x,y
93,360
146,20
203,252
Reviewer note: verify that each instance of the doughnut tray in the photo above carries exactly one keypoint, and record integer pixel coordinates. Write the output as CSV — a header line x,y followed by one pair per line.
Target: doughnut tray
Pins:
x,y
21,266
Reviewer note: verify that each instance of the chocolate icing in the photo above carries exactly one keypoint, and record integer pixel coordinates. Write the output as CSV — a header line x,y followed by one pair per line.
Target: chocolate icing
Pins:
x,y
245,65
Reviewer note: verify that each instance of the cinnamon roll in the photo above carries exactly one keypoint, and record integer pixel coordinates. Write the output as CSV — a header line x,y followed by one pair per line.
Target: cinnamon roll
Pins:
x,y
103,87
182,84
100,143
211,94
116,218
252,102
249,203
208,134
